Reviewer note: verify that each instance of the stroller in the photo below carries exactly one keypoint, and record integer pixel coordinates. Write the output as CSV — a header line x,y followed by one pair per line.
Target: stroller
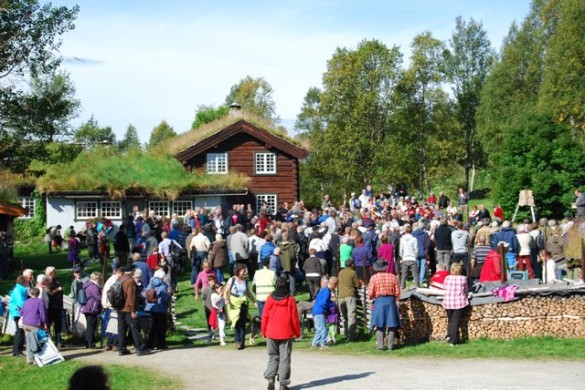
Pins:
x,y
47,352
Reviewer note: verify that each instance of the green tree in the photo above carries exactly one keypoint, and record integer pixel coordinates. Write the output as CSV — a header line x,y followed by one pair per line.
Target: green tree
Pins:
x,y
469,61
36,101
309,119
551,172
30,36
130,141
160,133
31,120
255,96
419,100
511,88
562,93
351,118
206,114
91,135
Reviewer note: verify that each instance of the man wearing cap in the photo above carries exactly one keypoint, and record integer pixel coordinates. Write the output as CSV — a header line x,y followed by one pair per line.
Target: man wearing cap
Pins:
x,y
385,292
127,317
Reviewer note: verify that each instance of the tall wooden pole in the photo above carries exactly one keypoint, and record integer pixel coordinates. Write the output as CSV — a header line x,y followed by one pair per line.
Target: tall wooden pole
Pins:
x,y
503,262
583,259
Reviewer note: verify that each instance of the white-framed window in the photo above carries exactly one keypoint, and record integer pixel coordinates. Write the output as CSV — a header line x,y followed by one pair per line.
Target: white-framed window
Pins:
x,y
161,207
265,163
27,202
86,209
217,163
180,207
271,201
111,209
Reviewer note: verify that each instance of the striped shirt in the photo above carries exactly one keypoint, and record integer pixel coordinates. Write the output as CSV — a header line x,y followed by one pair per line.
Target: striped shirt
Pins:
x,y
480,252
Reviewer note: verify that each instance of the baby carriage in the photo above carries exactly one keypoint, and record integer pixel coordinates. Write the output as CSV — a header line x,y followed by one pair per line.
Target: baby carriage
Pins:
x,y
47,353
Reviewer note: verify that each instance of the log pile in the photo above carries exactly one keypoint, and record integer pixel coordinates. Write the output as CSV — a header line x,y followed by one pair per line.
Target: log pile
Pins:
x,y
530,316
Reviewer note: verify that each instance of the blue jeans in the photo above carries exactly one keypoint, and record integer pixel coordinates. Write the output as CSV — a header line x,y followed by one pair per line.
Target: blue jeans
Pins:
x,y
219,275
320,330
196,265
260,308
421,264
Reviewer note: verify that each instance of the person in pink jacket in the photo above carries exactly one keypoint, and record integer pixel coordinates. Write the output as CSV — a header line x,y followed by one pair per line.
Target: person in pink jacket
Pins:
x,y
280,325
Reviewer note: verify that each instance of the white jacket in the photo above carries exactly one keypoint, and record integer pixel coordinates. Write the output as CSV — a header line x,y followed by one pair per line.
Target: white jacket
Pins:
x,y
408,248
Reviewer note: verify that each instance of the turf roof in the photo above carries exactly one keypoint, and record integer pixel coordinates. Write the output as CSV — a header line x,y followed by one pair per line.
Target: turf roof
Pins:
x,y
117,174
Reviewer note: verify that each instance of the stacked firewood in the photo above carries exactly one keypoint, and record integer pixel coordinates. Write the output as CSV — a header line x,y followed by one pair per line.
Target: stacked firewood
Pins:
x,y
529,316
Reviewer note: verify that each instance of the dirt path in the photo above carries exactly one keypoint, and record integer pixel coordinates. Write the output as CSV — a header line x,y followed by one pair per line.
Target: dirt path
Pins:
x,y
226,368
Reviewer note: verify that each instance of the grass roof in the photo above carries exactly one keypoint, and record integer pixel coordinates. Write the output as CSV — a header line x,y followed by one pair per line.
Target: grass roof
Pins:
x,y
107,170
191,137
10,183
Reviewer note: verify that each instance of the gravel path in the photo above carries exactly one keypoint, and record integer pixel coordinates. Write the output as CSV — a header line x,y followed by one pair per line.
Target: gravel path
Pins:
x,y
201,367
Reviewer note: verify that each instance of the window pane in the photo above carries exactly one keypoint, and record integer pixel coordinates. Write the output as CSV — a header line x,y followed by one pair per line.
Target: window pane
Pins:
x,y
265,163
29,203
217,163
160,207
112,209
85,210
270,200
180,207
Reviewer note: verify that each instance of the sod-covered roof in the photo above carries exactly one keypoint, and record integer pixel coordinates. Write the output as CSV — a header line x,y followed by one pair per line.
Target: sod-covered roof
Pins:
x,y
192,137
9,185
105,170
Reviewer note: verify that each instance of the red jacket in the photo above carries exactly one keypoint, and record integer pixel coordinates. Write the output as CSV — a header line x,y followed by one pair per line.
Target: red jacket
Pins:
x,y
492,268
280,319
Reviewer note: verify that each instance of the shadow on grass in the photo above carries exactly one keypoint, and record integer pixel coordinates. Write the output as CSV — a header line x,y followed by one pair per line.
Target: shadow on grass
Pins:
x,y
332,380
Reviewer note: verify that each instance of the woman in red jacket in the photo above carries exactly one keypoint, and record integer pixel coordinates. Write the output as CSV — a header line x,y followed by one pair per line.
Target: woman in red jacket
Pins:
x,y
280,325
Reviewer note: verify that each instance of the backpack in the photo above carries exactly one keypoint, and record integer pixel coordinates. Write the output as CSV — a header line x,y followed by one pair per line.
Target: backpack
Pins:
x,y
150,295
540,241
116,295
81,296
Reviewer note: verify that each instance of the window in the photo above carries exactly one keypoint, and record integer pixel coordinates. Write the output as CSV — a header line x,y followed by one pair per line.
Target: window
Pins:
x,y
161,207
217,163
270,200
112,209
86,210
265,163
181,206
28,202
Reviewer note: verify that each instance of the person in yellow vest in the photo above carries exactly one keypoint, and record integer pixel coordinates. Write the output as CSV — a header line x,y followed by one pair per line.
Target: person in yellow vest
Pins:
x,y
264,281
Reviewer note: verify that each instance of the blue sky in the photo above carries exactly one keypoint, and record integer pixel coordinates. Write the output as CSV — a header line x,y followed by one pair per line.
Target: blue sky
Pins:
x,y
145,61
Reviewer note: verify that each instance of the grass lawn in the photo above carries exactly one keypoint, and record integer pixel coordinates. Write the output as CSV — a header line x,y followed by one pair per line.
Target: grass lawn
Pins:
x,y
190,314
17,375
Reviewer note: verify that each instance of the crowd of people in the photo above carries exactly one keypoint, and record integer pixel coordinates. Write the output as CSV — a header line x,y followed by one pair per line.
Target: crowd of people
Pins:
x,y
379,241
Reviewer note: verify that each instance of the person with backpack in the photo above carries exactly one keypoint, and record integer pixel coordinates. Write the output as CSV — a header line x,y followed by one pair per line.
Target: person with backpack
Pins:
x,y
92,307
110,321
125,301
157,302
423,242
76,287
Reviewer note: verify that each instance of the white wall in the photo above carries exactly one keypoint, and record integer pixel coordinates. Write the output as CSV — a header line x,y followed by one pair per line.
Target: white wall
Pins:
x,y
61,211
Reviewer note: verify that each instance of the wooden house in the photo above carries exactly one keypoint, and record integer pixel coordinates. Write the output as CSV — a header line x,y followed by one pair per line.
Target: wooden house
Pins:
x,y
270,160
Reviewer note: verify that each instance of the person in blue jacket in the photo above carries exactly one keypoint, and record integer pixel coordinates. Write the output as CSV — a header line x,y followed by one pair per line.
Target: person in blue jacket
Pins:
x,y
158,310
320,310
18,296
